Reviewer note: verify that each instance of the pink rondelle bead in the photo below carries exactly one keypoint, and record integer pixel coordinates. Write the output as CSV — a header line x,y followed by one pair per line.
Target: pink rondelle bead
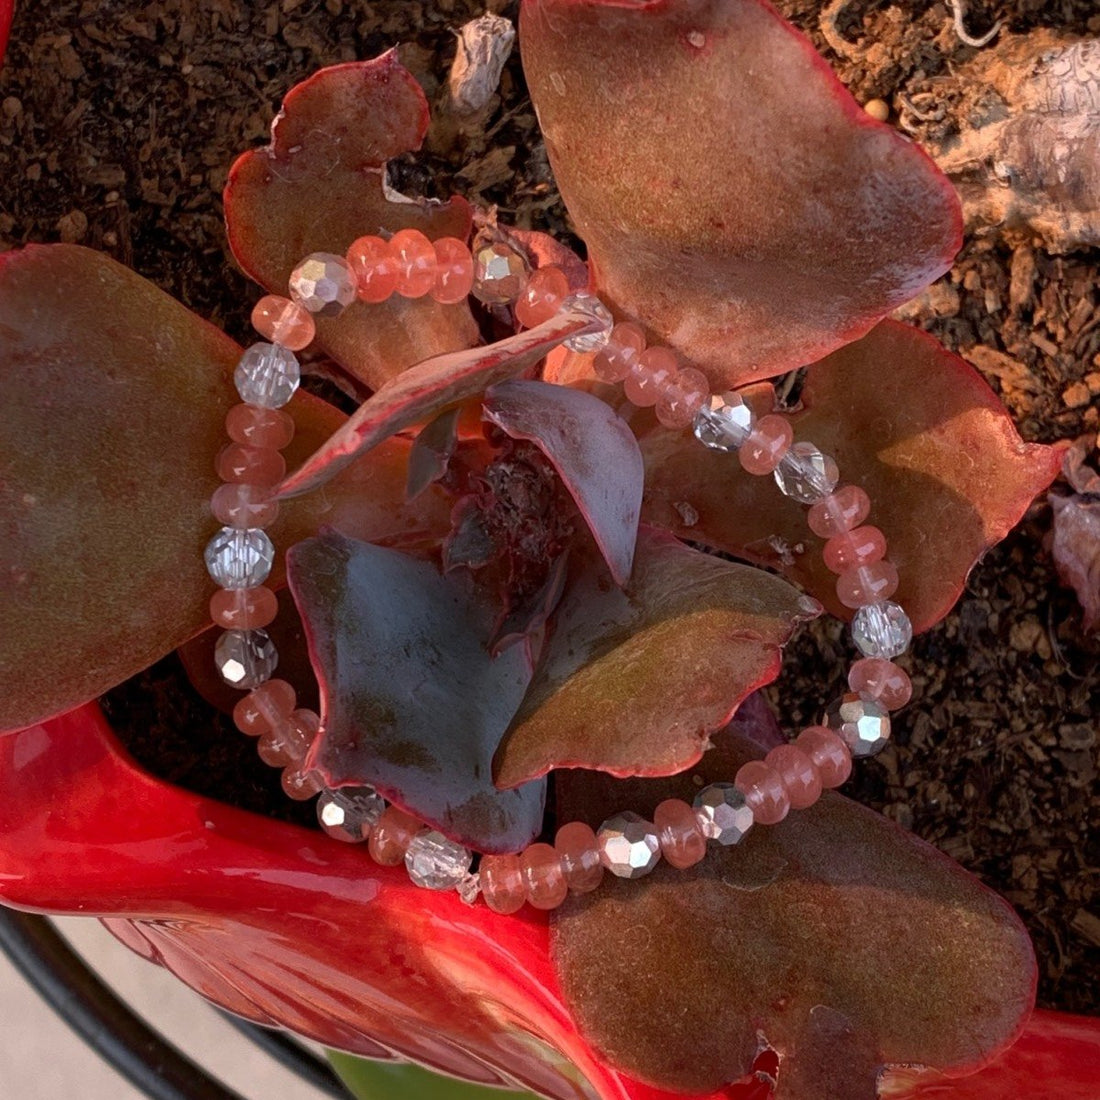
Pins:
x,y
882,680
243,608
287,742
580,857
543,876
259,427
798,773
374,266
264,707
683,396
283,321
844,508
542,296
830,755
768,442
237,462
300,785
454,271
764,792
626,343
850,549
867,584
648,375
502,884
415,263
238,505
391,836
680,834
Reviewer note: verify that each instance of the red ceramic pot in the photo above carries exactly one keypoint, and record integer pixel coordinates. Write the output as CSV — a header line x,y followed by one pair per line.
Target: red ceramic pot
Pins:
x,y
283,925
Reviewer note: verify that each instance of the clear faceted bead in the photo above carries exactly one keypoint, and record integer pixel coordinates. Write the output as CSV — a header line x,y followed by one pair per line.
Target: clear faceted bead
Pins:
x,y
245,658
882,629
435,862
469,888
323,282
500,272
629,845
863,723
267,375
349,812
594,308
723,423
239,557
806,474
723,813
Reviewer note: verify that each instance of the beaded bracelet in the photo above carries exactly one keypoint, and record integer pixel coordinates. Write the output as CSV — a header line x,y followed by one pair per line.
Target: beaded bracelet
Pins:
x,y
240,556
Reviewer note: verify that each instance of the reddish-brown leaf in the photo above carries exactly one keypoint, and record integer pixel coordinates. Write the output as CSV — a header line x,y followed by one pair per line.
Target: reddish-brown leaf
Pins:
x,y
744,209
319,185
916,426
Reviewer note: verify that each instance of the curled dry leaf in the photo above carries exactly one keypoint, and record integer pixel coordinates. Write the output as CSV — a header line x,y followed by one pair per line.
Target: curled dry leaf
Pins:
x,y
1076,549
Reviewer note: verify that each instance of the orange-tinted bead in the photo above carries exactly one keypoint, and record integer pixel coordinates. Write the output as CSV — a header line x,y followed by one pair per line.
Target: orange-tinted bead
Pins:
x,y
846,507
546,289
415,263
850,549
374,266
237,462
680,834
287,742
867,584
882,680
264,707
683,396
243,608
830,755
259,427
768,442
391,836
283,321
764,792
502,883
626,343
648,375
300,785
543,876
454,271
575,843
798,773
238,505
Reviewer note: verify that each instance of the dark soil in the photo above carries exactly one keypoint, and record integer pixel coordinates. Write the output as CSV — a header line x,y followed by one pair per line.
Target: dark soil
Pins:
x,y
118,124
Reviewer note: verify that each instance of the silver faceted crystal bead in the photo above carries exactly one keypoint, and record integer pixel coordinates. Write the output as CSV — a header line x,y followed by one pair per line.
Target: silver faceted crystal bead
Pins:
x,y
245,658
806,474
590,304
882,629
500,272
723,813
628,845
239,557
323,283
723,423
469,888
862,723
435,862
267,375
347,813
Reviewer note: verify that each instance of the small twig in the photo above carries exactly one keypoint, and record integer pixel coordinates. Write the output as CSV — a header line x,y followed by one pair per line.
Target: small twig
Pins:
x,y
958,10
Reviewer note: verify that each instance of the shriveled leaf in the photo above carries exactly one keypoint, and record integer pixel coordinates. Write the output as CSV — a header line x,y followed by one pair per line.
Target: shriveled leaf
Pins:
x,y
1075,547
745,209
915,426
836,937
593,451
427,388
411,700
109,425
320,184
634,681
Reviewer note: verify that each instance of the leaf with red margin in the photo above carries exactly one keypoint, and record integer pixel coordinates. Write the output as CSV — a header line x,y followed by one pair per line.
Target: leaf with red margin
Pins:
x,y
836,937
319,185
634,681
745,209
593,451
109,425
411,700
917,427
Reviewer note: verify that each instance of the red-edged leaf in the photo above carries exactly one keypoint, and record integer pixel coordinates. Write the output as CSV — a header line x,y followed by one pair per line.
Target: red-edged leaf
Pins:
x,y
411,700
109,425
836,937
634,681
946,470
427,388
320,184
744,209
593,451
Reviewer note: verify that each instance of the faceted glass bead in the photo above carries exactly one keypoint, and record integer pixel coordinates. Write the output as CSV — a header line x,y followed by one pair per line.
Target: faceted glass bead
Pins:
x,y
542,296
264,707
259,427
767,445
500,272
842,510
436,862
628,845
267,375
543,876
882,680
764,792
867,583
649,376
798,773
682,398
614,360
415,263
454,271
862,723
723,422
469,888
806,474
882,629
238,505
323,283
239,557
680,833
575,843
245,658
723,813
830,755
502,884
591,305
349,812
860,546
243,608
391,836
282,321
374,266
239,464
